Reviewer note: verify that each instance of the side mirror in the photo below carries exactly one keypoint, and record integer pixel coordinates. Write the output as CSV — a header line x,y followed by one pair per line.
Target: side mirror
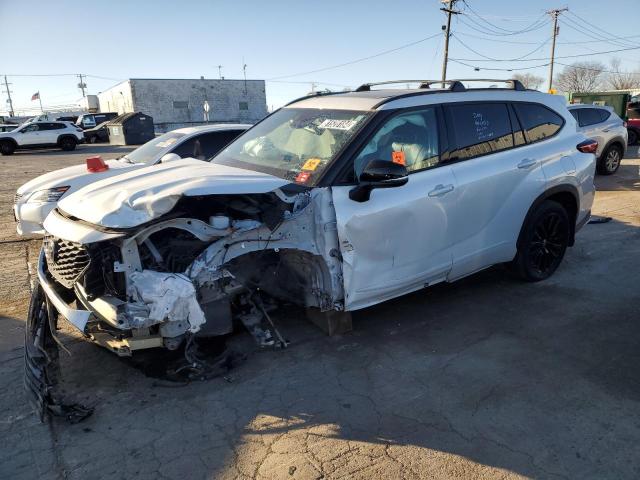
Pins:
x,y
170,157
378,174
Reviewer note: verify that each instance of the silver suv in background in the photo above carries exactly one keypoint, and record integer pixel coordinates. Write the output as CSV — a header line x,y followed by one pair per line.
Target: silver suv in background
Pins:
x,y
603,125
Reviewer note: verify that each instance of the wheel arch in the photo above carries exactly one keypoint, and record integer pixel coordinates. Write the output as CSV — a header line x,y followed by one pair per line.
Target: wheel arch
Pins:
x,y
9,140
567,196
616,140
66,135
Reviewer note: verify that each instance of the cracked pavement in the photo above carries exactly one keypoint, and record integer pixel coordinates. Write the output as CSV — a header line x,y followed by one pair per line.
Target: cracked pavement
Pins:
x,y
484,378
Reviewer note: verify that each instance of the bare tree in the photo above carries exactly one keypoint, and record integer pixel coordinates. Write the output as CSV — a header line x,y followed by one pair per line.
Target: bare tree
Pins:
x,y
580,77
529,80
619,80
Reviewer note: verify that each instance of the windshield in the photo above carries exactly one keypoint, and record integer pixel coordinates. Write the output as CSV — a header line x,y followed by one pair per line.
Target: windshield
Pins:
x,y
154,149
294,143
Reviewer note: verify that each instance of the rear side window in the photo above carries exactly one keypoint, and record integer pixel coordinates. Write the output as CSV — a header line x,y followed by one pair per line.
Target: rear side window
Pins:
x,y
480,129
589,116
57,126
538,121
604,114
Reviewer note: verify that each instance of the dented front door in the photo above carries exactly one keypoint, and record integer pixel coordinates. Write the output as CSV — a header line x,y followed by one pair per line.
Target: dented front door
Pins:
x,y
398,240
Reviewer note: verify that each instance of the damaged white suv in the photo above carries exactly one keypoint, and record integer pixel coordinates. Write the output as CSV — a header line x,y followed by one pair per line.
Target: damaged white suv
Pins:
x,y
334,202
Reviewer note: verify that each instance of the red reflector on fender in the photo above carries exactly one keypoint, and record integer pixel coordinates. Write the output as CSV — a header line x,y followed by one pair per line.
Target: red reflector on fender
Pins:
x,y
96,164
588,146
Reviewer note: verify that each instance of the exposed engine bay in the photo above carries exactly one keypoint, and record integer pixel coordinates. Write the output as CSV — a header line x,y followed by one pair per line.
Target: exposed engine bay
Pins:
x,y
211,263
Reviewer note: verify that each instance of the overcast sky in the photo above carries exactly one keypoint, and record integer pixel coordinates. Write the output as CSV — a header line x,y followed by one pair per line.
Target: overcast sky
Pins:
x,y
278,40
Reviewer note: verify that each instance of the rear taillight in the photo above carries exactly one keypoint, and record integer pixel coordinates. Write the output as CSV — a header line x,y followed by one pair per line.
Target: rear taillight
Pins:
x,y
96,164
588,146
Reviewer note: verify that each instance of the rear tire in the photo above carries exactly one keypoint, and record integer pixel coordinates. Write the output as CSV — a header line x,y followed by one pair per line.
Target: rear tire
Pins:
x,y
67,144
7,148
610,161
542,243
93,139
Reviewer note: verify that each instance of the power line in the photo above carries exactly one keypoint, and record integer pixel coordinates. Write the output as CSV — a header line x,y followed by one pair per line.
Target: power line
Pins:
x,y
502,60
549,58
477,69
534,26
516,42
567,22
597,28
407,45
596,69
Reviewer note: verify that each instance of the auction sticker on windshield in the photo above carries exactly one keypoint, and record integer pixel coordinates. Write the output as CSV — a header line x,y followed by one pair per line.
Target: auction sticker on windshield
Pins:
x,y
338,124
311,164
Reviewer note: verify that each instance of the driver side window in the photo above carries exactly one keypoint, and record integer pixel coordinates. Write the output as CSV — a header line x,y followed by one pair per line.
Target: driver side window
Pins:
x,y
31,128
409,138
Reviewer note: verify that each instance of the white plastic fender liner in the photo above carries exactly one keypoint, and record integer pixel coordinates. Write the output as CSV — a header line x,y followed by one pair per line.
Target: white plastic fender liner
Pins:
x,y
169,296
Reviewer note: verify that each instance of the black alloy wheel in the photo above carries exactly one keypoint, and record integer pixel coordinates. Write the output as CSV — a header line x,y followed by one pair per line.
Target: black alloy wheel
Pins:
x,y
543,243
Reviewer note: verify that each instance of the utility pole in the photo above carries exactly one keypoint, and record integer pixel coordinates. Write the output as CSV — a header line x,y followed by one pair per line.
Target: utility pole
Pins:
x,y
554,13
82,85
220,72
8,92
449,11
244,71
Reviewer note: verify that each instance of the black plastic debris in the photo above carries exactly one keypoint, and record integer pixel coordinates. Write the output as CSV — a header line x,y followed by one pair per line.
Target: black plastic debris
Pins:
x,y
598,219
42,365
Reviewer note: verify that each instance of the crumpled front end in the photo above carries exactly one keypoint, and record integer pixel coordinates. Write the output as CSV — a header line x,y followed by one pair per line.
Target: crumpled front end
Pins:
x,y
159,285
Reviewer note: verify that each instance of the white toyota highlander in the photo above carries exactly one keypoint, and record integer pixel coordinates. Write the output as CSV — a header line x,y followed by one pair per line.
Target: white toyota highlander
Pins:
x,y
334,202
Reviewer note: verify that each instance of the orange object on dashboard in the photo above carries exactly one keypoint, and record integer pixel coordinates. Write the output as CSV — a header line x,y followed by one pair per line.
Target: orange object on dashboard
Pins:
x,y
398,157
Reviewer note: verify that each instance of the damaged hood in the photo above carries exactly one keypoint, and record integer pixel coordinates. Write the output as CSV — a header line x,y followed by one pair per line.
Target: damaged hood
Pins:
x,y
140,196
75,177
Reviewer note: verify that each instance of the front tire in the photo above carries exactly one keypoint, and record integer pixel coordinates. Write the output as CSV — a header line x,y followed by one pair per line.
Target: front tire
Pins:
x,y
7,148
632,138
67,144
543,242
610,161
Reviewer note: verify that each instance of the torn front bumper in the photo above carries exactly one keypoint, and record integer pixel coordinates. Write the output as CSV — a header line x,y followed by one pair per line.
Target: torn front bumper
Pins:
x,y
105,309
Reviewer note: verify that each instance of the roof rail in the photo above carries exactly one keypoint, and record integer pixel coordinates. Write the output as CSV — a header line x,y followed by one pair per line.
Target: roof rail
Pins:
x,y
455,85
312,95
512,83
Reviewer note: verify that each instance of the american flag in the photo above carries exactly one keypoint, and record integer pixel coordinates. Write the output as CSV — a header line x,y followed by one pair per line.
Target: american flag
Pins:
x,y
35,96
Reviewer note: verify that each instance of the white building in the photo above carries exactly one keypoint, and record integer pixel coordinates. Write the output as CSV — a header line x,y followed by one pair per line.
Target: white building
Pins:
x,y
174,103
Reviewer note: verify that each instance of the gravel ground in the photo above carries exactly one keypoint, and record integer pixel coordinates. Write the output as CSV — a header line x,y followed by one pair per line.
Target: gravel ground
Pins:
x,y
484,378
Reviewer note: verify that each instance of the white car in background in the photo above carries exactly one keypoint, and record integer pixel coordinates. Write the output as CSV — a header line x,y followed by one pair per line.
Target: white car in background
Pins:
x,y
30,135
36,198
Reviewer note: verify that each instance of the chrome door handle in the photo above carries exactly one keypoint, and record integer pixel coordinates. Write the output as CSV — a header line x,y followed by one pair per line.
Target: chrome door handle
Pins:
x,y
605,130
441,190
527,162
